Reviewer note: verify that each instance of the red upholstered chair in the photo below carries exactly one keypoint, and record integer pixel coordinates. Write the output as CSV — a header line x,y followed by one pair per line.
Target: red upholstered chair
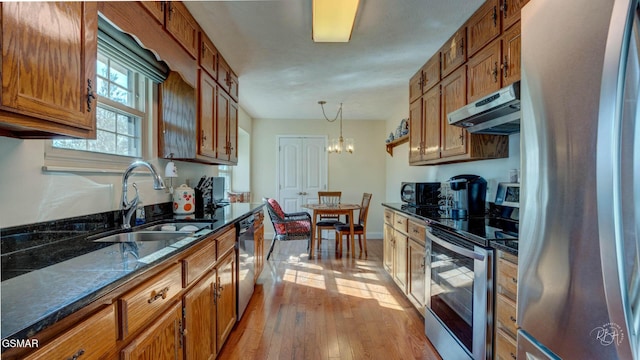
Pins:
x,y
287,226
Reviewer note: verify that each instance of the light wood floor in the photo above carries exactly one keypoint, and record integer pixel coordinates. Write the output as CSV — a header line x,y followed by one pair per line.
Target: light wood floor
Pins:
x,y
327,308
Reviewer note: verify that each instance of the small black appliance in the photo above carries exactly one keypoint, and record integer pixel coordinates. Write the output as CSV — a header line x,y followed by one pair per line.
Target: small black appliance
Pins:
x,y
420,194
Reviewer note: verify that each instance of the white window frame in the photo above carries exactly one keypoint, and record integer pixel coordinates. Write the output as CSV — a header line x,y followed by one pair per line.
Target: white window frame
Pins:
x,y
59,159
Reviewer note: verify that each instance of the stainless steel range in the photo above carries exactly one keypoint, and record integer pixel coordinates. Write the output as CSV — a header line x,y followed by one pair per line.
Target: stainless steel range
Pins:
x,y
459,298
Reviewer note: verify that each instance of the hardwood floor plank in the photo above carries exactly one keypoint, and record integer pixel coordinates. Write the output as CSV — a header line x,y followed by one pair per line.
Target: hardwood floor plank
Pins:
x,y
329,307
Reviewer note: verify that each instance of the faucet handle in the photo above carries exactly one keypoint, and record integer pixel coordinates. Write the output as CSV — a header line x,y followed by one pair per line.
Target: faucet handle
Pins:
x,y
136,198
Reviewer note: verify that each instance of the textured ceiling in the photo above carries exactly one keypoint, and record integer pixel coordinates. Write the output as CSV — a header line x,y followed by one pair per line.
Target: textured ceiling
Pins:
x,y
283,73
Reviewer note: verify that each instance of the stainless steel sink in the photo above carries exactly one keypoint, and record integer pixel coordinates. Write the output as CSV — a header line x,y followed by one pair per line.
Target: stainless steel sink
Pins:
x,y
179,226
142,236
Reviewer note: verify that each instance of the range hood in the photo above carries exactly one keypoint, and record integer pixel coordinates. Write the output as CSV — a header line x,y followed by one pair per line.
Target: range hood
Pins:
x,y
497,113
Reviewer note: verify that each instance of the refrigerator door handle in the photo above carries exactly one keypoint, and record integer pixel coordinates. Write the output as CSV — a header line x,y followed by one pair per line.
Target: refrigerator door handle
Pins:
x,y
618,173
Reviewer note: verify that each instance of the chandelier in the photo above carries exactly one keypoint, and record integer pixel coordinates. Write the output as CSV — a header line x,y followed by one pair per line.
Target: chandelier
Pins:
x,y
340,144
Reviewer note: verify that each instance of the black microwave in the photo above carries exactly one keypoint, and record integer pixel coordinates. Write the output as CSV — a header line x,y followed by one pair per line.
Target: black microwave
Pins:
x,y
420,194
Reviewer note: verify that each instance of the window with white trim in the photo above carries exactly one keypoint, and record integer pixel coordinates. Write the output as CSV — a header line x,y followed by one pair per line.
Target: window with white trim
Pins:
x,y
126,78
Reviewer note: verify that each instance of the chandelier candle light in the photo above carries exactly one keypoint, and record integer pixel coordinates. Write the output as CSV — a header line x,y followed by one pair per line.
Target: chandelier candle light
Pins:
x,y
340,144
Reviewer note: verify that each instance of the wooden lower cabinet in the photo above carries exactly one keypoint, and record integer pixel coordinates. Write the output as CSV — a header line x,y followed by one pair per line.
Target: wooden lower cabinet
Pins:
x,y
403,255
200,340
93,338
258,238
226,297
162,340
505,322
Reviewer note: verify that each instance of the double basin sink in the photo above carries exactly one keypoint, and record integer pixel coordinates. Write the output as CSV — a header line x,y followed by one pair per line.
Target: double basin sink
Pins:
x,y
167,232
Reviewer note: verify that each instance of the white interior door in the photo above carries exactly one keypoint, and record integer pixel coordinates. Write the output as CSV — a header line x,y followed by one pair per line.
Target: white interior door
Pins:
x,y
302,170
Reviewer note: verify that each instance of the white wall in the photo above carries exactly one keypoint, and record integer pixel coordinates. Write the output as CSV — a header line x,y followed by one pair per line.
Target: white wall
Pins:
x,y
353,174
30,195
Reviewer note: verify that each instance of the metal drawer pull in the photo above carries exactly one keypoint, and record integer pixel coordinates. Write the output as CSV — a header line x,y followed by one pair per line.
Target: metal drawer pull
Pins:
x,y
512,318
514,280
160,294
77,355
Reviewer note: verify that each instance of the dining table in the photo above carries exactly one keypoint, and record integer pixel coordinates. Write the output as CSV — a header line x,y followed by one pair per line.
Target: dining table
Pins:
x,y
333,209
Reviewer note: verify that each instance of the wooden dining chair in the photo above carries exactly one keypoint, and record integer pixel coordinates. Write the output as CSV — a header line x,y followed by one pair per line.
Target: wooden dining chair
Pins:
x,y
327,221
359,229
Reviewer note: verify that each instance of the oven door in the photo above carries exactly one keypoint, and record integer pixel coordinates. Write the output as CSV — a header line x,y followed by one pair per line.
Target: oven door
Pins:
x,y
459,297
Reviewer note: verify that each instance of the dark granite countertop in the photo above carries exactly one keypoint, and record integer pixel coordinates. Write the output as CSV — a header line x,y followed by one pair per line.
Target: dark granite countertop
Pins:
x,y
483,231
34,299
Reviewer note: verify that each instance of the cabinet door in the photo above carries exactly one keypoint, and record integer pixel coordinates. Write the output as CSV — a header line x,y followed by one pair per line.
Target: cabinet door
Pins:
x,y
200,319
208,58
510,10
222,122
156,9
49,52
454,52
183,27
207,90
177,130
226,297
258,238
484,76
416,274
224,74
388,248
93,338
454,93
160,341
431,71
400,271
483,26
511,55
415,131
431,124
233,132
415,86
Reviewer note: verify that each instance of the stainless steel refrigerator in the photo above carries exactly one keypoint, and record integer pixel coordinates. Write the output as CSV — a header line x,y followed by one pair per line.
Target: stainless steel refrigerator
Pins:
x,y
579,253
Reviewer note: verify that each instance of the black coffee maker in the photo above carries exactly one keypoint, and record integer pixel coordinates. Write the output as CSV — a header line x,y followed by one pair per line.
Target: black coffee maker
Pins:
x,y
469,193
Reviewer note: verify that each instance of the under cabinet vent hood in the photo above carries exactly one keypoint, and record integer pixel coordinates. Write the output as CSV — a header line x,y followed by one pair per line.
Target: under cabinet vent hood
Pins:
x,y
497,113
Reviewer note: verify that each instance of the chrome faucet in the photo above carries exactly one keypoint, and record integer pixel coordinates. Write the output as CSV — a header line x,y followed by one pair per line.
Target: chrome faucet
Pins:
x,y
128,208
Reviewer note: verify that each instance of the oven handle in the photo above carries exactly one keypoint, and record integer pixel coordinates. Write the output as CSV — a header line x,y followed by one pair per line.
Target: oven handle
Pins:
x,y
457,249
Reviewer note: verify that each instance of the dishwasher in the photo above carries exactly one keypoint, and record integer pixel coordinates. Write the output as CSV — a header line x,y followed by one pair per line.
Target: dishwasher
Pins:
x,y
246,263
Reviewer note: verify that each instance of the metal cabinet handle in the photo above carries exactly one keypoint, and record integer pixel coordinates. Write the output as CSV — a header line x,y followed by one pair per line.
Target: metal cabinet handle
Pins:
x,y
90,94
505,66
495,72
76,355
157,295
512,318
495,16
503,7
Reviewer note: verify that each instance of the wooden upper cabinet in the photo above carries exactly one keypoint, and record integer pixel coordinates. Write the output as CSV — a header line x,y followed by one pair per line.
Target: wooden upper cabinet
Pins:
x,y
431,73
233,132
483,26
48,69
454,94
454,52
182,26
415,131
484,72
431,107
208,58
178,22
156,9
177,123
227,79
226,129
415,86
511,43
510,10
208,93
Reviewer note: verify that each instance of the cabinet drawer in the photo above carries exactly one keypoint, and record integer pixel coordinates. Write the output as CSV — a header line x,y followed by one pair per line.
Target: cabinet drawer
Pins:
x,y
417,231
140,305
91,339
400,223
506,315
506,347
196,264
507,278
226,242
388,217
